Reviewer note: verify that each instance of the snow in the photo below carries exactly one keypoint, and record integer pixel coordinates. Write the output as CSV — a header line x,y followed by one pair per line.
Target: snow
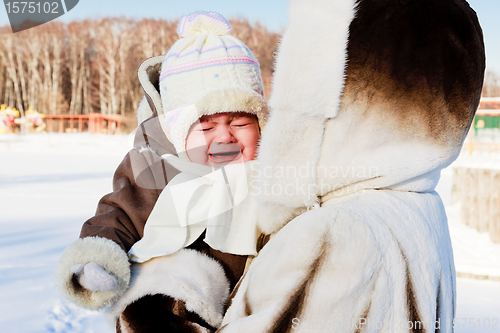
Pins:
x,y
50,184
478,301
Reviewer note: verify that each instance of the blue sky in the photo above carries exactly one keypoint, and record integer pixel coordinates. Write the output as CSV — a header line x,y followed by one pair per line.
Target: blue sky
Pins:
x,y
271,13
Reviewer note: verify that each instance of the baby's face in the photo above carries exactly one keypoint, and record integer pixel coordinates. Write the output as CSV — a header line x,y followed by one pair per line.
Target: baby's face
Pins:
x,y
223,138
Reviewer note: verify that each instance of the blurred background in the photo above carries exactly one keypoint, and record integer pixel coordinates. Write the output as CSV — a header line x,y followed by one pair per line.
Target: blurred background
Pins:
x,y
68,99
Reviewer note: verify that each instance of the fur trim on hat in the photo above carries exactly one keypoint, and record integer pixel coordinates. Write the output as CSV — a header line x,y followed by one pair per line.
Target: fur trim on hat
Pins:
x,y
103,252
234,100
225,100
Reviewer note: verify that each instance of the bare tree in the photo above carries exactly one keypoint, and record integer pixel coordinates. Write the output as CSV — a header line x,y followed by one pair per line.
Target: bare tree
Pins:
x,y
7,54
78,38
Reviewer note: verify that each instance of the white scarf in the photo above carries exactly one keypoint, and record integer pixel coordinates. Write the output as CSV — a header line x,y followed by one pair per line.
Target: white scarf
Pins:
x,y
200,199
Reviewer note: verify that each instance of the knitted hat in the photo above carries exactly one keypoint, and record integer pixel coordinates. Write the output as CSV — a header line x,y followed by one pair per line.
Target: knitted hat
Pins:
x,y
208,72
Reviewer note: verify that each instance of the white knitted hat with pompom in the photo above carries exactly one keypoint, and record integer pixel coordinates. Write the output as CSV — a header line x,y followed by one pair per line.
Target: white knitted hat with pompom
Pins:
x,y
206,72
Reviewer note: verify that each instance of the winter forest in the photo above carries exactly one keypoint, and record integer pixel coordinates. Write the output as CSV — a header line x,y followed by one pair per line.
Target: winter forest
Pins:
x,y
90,66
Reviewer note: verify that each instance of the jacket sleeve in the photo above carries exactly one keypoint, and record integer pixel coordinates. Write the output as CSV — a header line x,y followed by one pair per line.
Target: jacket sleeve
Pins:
x,y
120,217
137,183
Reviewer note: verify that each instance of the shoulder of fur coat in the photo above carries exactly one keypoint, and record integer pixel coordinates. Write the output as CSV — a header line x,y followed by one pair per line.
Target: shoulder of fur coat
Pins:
x,y
357,261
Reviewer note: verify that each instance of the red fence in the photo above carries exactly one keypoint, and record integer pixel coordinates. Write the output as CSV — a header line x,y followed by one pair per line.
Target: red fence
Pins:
x,y
96,123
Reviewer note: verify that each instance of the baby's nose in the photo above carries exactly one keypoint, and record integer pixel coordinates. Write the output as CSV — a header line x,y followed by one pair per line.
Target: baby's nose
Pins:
x,y
224,135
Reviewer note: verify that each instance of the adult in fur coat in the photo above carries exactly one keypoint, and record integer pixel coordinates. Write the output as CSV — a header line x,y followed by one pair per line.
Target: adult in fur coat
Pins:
x,y
371,99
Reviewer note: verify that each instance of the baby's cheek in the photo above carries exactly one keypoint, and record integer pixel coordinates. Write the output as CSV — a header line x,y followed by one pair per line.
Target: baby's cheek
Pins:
x,y
252,144
198,154
250,151
196,148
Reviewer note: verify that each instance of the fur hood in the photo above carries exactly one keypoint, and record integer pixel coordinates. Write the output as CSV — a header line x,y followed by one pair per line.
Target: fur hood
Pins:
x,y
403,82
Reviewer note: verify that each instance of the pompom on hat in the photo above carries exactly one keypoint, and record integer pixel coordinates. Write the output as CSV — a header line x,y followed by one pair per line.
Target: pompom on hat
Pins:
x,y
206,72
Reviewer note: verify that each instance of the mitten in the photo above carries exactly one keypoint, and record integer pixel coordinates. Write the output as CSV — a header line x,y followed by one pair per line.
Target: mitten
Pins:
x,y
93,277
93,272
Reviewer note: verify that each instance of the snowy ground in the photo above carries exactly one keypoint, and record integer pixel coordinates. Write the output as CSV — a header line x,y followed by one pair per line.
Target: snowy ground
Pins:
x,y
50,184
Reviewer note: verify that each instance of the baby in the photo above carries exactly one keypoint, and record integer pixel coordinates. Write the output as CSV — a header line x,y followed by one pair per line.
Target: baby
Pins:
x,y
211,193
223,138
212,112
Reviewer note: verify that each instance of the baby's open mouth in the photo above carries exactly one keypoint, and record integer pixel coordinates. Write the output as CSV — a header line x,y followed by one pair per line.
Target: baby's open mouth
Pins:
x,y
231,153
224,157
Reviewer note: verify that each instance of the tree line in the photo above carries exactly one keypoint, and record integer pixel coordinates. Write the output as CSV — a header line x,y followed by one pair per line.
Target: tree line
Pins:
x,y
90,66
